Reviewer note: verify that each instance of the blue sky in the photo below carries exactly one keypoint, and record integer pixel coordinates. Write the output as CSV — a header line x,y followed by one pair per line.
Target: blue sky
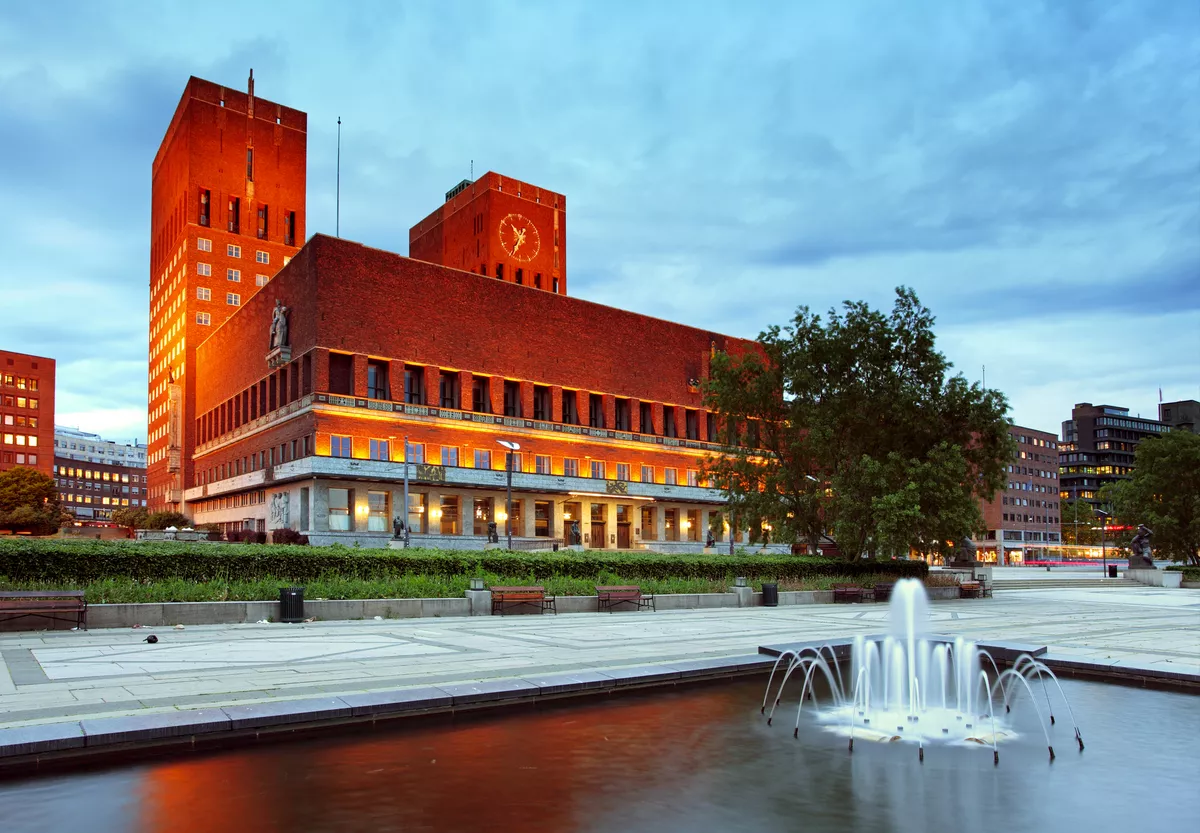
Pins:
x,y
1032,169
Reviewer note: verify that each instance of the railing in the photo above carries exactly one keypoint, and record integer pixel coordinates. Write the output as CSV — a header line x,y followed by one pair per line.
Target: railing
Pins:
x,y
532,544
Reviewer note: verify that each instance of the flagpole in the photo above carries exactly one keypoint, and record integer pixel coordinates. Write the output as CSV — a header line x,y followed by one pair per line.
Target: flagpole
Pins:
x,y
338,198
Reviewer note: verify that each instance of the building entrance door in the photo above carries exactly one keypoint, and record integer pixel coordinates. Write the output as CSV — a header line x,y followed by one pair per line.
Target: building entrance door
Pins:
x,y
598,538
623,536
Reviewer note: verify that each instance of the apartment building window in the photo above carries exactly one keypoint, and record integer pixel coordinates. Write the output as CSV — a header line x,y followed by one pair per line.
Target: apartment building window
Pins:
x,y
692,424
377,511
339,446
597,469
377,380
670,477
203,319
339,510
518,464
205,202
570,467
483,459
234,275
556,286
512,398
449,456
481,401
693,477
622,415
250,164
541,463
646,414
414,384
233,299
450,515
669,422
541,402
261,280
623,471
204,269
262,257
448,394
203,244
289,228
235,216
262,226
595,410
341,373
416,453
233,251
380,450
570,407
203,293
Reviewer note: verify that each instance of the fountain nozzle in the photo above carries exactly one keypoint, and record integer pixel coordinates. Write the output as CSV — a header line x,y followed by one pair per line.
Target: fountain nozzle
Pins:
x,y
1079,739
995,757
796,733
921,754
1051,753
769,719
1051,720
851,746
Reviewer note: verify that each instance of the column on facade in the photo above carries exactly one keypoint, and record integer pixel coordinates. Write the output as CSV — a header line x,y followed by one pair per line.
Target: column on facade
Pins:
x,y
556,403
496,393
359,365
433,386
528,521
660,522
656,414
433,500
681,425
558,526
396,381
466,390
635,416
610,410
610,523
702,416
466,514
320,372
526,399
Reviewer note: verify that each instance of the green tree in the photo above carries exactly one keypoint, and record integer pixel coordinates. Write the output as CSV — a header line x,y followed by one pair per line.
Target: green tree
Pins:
x,y
1163,494
162,520
29,502
853,424
131,517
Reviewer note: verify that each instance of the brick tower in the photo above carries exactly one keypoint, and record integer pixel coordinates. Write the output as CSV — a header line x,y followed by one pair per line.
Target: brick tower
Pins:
x,y
227,212
499,227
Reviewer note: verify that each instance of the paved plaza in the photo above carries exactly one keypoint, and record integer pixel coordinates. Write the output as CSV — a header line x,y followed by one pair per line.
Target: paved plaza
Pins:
x,y
50,677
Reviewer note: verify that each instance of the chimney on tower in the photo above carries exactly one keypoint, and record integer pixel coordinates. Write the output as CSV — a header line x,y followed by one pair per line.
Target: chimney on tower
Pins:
x,y
250,100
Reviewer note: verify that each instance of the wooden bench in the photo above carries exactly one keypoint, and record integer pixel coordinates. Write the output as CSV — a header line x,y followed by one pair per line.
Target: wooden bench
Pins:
x,y
59,605
883,590
847,593
505,598
970,590
609,597
985,589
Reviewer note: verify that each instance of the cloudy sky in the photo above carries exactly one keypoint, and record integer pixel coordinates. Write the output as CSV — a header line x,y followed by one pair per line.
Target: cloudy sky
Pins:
x,y
1031,168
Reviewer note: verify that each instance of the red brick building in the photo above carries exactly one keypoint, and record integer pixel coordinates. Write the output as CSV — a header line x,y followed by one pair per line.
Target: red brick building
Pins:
x,y
499,227
26,412
1023,520
227,210
604,403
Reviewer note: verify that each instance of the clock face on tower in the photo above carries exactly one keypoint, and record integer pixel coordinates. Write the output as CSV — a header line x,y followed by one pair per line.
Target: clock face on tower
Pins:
x,y
519,237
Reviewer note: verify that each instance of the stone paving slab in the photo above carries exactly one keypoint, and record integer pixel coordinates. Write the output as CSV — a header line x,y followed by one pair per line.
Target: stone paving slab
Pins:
x,y
268,675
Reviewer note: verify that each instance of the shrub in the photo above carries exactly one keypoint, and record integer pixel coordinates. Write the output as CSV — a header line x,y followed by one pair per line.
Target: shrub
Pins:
x,y
1190,573
288,536
162,520
73,562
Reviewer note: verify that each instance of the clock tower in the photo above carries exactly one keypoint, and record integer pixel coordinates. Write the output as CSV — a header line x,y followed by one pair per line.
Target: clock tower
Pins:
x,y
499,227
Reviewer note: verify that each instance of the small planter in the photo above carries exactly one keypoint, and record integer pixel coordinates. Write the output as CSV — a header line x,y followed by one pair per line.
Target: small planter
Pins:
x,y
1172,578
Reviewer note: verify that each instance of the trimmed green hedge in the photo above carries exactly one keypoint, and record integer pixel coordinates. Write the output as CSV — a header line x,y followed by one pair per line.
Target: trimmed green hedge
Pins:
x,y
81,562
1190,573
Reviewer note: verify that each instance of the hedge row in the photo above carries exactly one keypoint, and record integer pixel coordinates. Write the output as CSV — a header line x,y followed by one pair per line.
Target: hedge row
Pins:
x,y
68,562
1190,573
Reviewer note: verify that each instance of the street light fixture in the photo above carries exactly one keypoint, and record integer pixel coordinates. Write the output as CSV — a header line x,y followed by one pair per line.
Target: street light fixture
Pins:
x,y
508,457
1104,516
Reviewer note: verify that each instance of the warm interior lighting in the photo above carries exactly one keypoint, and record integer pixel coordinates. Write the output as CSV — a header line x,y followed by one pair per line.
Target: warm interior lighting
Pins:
x,y
501,515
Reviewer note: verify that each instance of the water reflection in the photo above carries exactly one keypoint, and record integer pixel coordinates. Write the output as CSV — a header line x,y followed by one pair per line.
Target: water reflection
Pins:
x,y
698,759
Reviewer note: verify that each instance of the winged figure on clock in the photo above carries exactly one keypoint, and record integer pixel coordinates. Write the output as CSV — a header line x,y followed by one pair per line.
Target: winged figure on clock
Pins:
x,y
520,238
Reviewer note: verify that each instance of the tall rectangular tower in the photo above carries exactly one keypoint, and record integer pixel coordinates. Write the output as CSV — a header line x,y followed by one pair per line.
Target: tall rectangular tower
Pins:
x,y
499,227
227,212
26,412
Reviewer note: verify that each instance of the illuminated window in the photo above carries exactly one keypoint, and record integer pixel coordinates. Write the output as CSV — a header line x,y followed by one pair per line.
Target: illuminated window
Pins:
x,y
377,511
339,510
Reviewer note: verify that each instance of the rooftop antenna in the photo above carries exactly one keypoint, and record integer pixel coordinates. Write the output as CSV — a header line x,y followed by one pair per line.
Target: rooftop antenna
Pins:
x,y
472,170
337,222
985,377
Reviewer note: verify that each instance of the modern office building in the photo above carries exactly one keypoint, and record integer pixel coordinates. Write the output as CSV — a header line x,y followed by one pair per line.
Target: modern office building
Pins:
x,y
305,396
500,227
1181,416
26,412
96,476
1023,520
227,211
1098,444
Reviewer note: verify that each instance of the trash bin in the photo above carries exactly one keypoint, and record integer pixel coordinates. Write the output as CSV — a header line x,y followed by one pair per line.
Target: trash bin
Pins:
x,y
770,594
1112,570
291,604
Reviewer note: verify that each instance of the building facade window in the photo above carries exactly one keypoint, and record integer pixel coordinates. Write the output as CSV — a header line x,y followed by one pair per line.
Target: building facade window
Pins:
x,y
377,511
481,402
449,456
570,407
541,402
623,471
483,459
203,319
512,398
203,244
339,510
595,410
379,450
570,467
203,293
204,269
234,275
340,446
233,251
598,469
670,477
448,393
647,474
416,453
233,299
647,418
261,280
414,385
541,463
377,380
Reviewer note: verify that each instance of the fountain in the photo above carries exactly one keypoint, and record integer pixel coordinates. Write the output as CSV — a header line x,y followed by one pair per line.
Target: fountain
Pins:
x,y
911,686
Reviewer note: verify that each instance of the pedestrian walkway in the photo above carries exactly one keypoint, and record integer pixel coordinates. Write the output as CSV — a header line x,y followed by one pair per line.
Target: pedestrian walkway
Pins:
x,y
62,676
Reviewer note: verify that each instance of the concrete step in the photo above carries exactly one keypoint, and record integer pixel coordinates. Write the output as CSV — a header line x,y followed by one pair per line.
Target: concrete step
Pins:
x,y
1059,584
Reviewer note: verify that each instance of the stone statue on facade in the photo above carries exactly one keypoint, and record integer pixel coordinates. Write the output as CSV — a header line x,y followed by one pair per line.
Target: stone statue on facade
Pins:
x,y
576,538
397,528
1140,557
279,325
279,510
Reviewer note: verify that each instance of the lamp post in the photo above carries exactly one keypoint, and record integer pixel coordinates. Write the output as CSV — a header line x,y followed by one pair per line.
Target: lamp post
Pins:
x,y
1104,516
511,447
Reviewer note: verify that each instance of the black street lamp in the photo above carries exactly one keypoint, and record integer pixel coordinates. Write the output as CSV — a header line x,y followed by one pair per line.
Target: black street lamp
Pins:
x,y
1104,516
508,460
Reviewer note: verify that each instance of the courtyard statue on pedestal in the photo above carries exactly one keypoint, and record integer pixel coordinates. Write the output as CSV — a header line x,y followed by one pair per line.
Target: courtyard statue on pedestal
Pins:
x,y
964,553
576,538
492,536
1140,557
280,352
